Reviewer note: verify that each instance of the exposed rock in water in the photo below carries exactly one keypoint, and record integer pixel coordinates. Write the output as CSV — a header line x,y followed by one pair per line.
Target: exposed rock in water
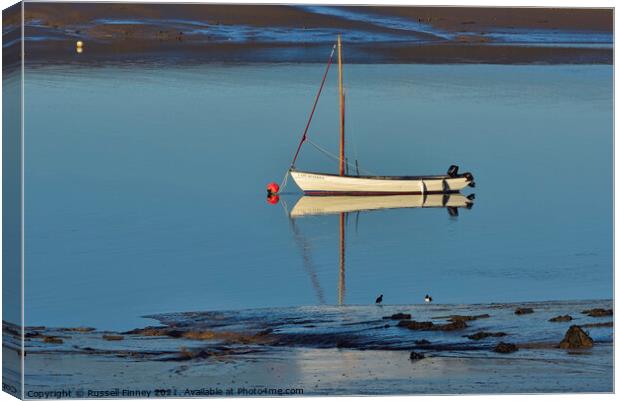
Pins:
x,y
465,318
150,331
523,311
399,316
413,325
112,337
455,325
262,337
343,343
598,312
422,342
484,334
416,356
78,329
505,348
186,355
227,336
52,340
601,324
575,337
561,318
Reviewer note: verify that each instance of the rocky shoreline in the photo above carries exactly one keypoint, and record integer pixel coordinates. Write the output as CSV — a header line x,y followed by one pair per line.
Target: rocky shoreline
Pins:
x,y
420,334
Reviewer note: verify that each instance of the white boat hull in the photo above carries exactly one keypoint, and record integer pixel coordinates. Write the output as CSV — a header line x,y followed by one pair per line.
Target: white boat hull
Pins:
x,y
332,184
319,205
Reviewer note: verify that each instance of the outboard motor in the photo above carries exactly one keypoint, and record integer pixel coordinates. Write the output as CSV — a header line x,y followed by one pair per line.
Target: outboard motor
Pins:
x,y
471,198
470,178
453,171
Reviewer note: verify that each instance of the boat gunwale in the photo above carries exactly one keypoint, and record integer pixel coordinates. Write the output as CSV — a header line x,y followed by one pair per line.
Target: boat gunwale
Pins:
x,y
376,193
390,177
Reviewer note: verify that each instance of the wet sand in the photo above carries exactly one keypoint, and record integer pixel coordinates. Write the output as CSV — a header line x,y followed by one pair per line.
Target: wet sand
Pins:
x,y
332,372
330,350
455,18
147,33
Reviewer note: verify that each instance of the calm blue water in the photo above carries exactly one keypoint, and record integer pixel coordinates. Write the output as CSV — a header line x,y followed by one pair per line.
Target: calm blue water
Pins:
x,y
145,187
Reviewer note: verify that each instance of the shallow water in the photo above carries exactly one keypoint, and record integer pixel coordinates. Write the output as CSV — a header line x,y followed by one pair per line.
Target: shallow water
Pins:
x,y
145,188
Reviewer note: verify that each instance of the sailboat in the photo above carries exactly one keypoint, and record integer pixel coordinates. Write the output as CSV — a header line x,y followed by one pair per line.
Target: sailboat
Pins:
x,y
318,183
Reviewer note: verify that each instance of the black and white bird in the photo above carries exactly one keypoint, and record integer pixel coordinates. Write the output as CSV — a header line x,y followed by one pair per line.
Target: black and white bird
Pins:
x,y
379,299
428,299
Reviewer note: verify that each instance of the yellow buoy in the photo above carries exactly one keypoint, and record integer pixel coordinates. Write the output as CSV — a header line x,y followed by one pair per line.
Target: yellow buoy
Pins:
x,y
79,43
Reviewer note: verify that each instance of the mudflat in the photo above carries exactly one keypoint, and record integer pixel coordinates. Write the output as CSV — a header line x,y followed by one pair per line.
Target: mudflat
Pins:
x,y
195,33
431,349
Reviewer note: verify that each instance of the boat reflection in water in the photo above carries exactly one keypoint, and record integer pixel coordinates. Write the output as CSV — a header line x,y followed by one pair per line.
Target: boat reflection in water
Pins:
x,y
343,205
317,205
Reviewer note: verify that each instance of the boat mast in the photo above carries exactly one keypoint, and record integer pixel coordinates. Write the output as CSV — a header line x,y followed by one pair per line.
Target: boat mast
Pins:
x,y
341,277
341,96
342,249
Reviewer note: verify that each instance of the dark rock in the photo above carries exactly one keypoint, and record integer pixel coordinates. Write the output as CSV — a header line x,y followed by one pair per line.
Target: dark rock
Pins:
x,y
150,331
456,325
175,333
52,340
598,312
523,311
78,329
505,348
484,334
562,318
422,342
186,355
112,337
413,325
575,337
467,318
344,344
416,356
399,316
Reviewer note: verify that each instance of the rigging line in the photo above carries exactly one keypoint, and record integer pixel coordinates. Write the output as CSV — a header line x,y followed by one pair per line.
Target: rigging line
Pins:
x,y
333,156
304,137
284,180
316,100
308,262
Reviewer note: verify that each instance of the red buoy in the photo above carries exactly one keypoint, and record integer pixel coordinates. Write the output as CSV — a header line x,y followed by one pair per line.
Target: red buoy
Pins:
x,y
273,188
273,199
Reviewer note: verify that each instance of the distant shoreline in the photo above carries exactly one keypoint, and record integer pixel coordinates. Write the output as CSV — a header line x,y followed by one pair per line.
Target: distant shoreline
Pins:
x,y
134,33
